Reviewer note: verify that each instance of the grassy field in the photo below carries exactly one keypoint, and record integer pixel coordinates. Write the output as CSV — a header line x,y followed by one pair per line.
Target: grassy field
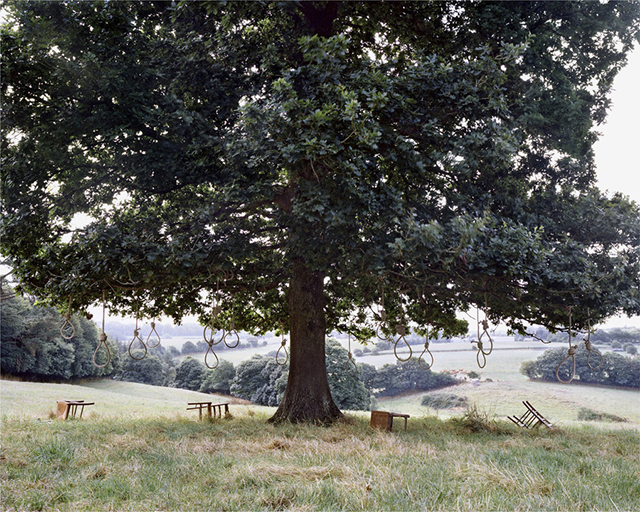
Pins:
x,y
139,449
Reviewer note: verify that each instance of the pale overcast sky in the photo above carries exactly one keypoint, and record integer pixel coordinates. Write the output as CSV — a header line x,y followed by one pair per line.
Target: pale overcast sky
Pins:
x,y
618,150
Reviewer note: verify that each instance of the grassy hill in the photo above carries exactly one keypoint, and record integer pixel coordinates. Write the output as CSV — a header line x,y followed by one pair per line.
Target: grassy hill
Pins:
x,y
139,449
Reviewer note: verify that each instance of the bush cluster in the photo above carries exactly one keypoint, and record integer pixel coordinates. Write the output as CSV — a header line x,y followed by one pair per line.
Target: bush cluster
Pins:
x,y
444,401
616,369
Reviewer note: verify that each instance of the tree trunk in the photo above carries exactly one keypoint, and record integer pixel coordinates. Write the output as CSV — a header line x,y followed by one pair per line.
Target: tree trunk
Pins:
x,y
307,397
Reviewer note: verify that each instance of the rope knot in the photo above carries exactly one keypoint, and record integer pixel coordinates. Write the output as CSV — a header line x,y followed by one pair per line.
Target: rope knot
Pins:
x,y
587,345
400,330
573,349
102,337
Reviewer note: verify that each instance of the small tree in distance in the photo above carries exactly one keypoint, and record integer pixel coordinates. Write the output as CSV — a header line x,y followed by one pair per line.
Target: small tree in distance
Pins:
x,y
296,166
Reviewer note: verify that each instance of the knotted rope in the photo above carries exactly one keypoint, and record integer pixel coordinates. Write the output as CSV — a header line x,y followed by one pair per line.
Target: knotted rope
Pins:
x,y
350,366
68,331
153,330
102,338
589,347
282,347
485,332
383,318
215,311
401,331
136,336
232,328
571,354
426,349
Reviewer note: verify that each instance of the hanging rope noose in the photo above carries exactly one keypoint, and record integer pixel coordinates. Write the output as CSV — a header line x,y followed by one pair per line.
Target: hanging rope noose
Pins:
x,y
383,318
153,330
206,358
426,349
102,337
401,331
589,347
282,347
136,336
571,354
68,331
215,311
232,327
351,369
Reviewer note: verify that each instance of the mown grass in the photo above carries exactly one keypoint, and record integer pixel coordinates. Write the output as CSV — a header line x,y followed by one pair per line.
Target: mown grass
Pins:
x,y
244,463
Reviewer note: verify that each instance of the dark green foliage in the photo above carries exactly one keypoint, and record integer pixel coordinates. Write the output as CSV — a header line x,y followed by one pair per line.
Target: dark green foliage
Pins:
x,y
189,347
444,401
439,153
256,380
220,379
190,374
346,386
585,414
393,379
616,369
148,370
31,345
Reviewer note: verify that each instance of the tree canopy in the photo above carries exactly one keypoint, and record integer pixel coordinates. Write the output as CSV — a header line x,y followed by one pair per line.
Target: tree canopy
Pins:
x,y
317,166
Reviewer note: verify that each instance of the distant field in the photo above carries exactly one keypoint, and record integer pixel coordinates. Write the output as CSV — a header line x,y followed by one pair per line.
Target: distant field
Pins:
x,y
30,400
138,449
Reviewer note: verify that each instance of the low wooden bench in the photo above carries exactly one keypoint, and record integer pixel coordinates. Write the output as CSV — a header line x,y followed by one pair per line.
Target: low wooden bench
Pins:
x,y
531,418
213,410
70,407
384,419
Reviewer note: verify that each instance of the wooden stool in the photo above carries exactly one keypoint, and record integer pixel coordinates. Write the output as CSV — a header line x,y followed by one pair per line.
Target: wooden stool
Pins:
x,y
66,407
383,419
213,410
531,418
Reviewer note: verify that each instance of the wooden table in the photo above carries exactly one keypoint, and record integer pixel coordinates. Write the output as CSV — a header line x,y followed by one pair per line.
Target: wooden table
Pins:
x,y
213,410
66,407
384,419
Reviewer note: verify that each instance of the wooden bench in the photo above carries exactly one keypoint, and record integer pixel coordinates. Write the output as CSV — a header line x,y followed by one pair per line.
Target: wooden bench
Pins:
x,y
531,418
383,419
213,410
70,407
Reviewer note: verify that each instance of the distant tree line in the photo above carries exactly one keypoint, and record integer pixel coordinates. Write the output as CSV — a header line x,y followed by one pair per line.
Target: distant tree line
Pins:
x,y
262,381
616,369
617,337
32,346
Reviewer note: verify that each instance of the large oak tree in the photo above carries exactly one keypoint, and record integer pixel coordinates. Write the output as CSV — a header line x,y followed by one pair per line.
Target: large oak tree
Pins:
x,y
312,166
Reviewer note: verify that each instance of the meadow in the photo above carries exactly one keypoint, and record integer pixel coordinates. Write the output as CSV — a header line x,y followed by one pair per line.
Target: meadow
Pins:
x,y
139,449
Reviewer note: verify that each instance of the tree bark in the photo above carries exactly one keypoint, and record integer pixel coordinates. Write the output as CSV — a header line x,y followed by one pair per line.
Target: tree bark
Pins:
x,y
307,397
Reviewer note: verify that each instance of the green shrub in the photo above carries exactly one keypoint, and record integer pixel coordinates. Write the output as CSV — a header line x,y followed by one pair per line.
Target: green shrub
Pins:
x,y
444,401
585,414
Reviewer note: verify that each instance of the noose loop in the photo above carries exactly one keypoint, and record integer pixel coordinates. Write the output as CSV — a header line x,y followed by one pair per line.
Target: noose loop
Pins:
x,y
68,331
103,339
232,328
206,358
153,330
481,355
589,347
215,312
480,352
136,336
426,350
383,318
282,347
571,354
401,331
350,366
